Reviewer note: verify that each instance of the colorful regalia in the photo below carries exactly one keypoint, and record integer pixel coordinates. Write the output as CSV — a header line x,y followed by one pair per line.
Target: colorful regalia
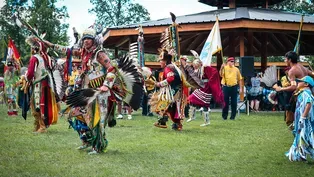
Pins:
x,y
1,90
10,87
171,99
43,85
202,97
102,83
303,143
168,100
122,82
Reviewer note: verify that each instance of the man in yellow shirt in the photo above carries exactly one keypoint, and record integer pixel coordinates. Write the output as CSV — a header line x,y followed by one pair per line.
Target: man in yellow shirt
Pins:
x,y
72,78
231,79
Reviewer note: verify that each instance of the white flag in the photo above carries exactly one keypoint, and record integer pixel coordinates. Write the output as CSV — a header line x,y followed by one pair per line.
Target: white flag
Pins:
x,y
211,46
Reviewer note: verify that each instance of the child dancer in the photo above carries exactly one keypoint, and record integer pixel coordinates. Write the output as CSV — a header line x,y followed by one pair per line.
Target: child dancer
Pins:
x,y
303,143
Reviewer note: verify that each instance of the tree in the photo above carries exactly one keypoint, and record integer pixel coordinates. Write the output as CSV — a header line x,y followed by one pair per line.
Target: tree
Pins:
x,y
41,12
48,18
305,6
118,12
8,29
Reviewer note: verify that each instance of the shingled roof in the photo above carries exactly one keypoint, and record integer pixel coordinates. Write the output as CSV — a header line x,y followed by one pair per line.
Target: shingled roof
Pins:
x,y
240,3
228,15
243,29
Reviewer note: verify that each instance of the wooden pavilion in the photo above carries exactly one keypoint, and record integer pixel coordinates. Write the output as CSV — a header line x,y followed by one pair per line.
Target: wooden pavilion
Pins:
x,y
248,28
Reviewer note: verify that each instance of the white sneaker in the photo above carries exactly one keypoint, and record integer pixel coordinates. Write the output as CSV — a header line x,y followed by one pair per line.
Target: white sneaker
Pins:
x,y
129,117
120,116
201,109
190,119
205,124
93,152
82,147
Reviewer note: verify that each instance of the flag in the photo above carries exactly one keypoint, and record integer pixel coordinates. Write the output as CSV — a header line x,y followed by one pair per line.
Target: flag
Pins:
x,y
12,51
212,45
297,45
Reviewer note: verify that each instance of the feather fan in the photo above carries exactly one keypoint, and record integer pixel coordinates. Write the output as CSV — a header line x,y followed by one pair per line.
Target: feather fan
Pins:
x,y
82,97
133,81
130,78
270,76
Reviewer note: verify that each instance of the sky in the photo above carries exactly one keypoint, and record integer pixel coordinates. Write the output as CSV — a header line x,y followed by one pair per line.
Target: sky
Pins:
x,y
158,9
80,18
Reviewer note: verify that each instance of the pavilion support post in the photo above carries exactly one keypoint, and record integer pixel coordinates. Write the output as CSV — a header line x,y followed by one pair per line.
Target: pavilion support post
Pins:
x,y
242,47
242,54
219,5
116,52
232,4
266,4
250,44
232,45
263,50
219,60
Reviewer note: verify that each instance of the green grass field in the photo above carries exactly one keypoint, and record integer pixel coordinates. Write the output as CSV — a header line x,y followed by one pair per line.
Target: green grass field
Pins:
x,y
249,146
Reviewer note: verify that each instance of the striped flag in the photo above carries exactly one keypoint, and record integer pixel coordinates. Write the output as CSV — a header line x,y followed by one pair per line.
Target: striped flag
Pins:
x,y
212,45
12,51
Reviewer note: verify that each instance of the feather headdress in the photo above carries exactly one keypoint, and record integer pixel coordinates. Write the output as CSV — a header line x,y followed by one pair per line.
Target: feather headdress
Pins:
x,y
136,49
170,39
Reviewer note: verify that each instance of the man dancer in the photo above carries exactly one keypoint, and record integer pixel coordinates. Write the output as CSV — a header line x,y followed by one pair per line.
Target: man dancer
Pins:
x,y
296,71
171,90
43,99
202,97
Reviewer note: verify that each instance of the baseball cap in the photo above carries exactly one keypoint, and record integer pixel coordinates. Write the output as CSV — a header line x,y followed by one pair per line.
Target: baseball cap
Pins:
x,y
230,59
307,79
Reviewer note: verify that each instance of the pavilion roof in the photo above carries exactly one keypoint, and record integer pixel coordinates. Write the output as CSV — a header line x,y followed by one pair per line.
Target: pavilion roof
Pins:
x,y
243,3
227,15
254,23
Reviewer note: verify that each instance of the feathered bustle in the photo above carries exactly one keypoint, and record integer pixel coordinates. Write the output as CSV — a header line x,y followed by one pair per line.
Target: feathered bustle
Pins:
x,y
82,97
270,76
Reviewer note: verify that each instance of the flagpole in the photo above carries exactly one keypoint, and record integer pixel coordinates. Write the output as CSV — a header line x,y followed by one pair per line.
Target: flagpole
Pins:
x,y
221,51
297,45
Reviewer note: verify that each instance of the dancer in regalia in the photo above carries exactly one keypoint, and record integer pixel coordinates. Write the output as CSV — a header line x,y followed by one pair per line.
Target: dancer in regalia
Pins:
x,y
202,97
103,83
40,80
169,105
10,88
303,143
171,99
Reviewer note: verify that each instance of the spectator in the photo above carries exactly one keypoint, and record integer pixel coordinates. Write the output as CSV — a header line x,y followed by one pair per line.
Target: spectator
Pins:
x,y
255,92
231,80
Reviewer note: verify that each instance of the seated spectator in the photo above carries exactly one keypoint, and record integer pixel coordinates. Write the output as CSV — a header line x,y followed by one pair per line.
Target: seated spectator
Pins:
x,y
255,92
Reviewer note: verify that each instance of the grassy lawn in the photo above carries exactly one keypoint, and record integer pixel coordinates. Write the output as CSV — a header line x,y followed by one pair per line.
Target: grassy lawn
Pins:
x,y
249,146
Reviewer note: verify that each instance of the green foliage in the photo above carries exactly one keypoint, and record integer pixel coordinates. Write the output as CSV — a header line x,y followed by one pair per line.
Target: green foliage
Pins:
x,y
310,60
49,18
306,7
8,29
151,57
43,13
118,12
249,146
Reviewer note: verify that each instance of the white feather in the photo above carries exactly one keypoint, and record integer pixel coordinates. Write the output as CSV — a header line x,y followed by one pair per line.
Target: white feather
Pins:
x,y
195,53
270,76
133,53
129,81
18,23
133,44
